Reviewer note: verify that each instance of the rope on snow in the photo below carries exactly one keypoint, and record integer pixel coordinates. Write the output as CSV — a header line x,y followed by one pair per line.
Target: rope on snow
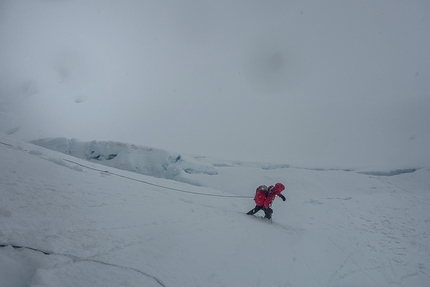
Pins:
x,y
150,183
158,185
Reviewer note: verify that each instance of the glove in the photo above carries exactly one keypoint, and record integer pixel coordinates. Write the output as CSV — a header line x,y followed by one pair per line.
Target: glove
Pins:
x,y
282,197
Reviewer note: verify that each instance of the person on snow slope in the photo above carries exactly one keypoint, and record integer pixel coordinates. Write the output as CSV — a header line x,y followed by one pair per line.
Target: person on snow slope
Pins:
x,y
264,197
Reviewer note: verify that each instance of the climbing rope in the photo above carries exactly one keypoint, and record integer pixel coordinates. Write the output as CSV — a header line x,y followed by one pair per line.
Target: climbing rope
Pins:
x,y
158,185
150,183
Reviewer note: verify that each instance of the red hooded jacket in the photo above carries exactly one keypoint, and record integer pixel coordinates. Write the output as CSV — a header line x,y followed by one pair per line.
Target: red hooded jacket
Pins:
x,y
264,196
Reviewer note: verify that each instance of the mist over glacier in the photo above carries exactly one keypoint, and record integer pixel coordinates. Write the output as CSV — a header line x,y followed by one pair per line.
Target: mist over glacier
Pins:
x,y
327,84
133,135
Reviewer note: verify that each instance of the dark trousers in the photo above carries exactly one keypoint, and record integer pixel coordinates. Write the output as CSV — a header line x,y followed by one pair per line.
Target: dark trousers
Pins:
x,y
268,212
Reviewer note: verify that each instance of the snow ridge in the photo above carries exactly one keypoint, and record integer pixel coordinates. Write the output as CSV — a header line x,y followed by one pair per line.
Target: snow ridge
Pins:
x,y
389,173
140,159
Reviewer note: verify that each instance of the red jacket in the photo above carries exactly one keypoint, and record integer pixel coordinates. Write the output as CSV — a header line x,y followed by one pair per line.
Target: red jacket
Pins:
x,y
264,196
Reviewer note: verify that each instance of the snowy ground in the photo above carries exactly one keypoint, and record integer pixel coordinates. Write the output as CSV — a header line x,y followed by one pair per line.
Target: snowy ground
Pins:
x,y
66,221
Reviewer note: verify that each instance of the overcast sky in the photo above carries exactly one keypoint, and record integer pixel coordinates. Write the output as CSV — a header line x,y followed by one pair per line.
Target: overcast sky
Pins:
x,y
338,83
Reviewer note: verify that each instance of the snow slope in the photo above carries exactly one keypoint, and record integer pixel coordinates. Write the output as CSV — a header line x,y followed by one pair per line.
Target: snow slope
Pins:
x,y
65,221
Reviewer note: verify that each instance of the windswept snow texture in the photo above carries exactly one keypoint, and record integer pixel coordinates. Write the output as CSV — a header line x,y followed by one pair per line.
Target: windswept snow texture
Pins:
x,y
107,227
140,159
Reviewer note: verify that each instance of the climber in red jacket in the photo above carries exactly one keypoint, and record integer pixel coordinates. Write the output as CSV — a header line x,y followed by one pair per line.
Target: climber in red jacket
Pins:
x,y
264,196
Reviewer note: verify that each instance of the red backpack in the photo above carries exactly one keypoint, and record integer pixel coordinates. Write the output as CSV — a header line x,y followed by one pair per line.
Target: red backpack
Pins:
x,y
260,195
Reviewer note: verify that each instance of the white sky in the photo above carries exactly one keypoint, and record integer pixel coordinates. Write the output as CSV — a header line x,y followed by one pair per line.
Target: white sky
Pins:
x,y
340,83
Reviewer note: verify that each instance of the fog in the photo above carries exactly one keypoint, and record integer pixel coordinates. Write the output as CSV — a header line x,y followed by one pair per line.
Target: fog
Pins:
x,y
321,83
